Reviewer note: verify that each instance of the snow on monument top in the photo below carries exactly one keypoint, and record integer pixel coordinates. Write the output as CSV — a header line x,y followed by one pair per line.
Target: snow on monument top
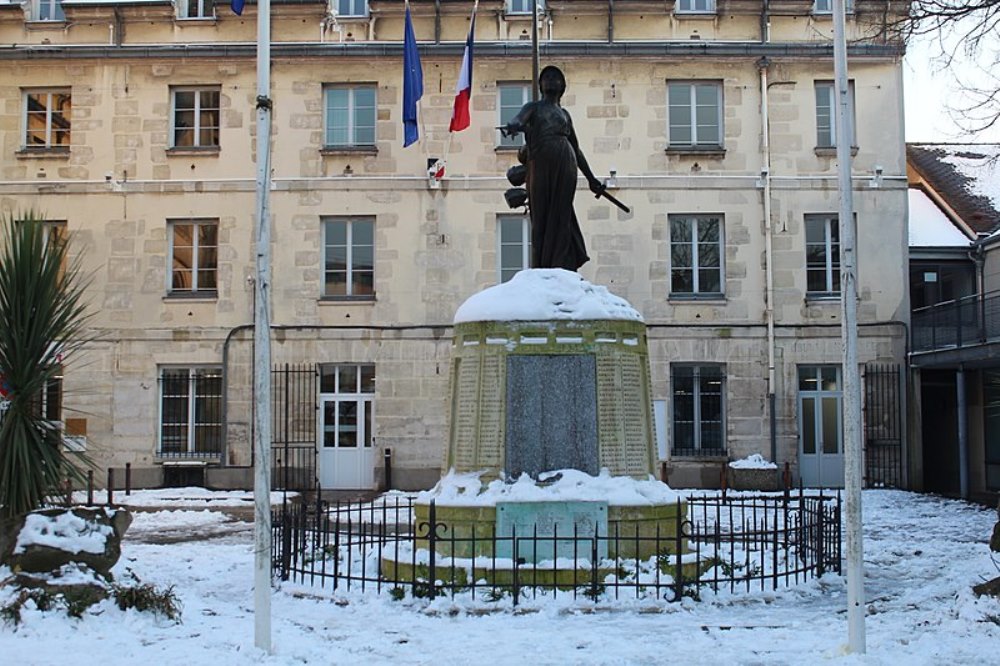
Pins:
x,y
544,294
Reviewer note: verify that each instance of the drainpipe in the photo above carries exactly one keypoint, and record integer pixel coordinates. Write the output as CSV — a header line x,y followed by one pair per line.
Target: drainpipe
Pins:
x,y
437,21
611,21
963,435
765,177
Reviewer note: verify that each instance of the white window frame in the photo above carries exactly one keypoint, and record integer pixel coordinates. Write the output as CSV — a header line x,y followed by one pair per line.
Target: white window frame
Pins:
x,y
194,290
505,273
694,7
697,421
52,8
524,87
697,140
523,7
202,9
191,445
831,251
198,110
693,244
353,126
350,8
26,93
826,119
825,7
352,248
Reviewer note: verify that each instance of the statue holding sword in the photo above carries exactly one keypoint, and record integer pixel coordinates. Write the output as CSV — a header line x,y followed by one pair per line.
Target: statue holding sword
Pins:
x,y
551,157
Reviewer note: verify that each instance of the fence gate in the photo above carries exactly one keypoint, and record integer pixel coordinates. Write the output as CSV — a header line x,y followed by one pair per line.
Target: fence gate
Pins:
x,y
883,420
293,427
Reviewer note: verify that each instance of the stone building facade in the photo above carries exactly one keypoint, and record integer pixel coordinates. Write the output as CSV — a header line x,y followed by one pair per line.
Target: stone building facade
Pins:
x,y
131,126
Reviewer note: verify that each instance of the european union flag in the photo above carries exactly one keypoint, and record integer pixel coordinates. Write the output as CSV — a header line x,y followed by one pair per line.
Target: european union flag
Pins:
x,y
413,82
237,6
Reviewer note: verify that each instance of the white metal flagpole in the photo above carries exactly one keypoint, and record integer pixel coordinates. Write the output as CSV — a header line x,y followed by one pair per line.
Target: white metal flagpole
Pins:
x,y
262,340
849,335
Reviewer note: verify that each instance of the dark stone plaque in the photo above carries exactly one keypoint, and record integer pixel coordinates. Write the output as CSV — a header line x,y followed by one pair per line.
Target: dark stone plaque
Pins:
x,y
551,413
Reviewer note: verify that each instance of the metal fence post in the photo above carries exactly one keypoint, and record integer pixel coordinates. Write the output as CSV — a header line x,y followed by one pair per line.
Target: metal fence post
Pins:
x,y
111,486
128,479
90,487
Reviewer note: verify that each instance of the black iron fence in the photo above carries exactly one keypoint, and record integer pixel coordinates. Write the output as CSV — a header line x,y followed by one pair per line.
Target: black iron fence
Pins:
x,y
884,426
720,542
293,427
963,322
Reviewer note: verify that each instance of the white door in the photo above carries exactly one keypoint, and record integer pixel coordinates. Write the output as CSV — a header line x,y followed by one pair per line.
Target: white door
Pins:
x,y
821,450
346,451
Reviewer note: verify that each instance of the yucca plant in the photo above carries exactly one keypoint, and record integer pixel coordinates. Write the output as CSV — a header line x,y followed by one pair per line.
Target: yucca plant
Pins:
x,y
42,320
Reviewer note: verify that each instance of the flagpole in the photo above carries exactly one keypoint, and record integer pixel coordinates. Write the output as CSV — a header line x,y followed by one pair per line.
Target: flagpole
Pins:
x,y
534,50
262,340
849,336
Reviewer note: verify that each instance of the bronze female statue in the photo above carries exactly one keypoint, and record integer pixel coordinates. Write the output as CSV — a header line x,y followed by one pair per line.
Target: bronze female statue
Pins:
x,y
552,156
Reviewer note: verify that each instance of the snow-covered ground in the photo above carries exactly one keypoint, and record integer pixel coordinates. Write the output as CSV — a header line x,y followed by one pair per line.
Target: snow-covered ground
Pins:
x,y
922,555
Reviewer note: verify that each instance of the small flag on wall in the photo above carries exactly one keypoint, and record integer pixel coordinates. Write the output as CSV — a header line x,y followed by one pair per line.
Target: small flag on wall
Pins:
x,y
413,82
460,118
237,6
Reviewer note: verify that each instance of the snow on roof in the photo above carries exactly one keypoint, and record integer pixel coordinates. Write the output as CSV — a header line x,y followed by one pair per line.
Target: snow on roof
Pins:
x,y
929,226
544,294
965,175
978,163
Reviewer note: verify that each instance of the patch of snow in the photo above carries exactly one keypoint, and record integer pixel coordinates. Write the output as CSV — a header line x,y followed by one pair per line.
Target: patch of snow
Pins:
x,y
929,226
922,556
567,485
753,461
980,163
190,497
545,294
64,531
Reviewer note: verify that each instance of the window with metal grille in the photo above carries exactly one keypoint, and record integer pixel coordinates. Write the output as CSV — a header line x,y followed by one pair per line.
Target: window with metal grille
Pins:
x,y
194,255
524,6
349,258
698,393
696,252
190,412
47,118
349,116
194,120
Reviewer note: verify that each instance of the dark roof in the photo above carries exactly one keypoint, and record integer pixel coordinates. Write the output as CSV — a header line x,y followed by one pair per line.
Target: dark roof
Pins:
x,y
965,175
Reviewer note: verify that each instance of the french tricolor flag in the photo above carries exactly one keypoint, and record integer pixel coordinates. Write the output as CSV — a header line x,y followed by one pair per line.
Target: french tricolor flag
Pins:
x,y
460,118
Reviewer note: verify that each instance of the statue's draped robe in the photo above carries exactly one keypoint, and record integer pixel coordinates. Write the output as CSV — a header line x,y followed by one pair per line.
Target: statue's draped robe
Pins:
x,y
556,239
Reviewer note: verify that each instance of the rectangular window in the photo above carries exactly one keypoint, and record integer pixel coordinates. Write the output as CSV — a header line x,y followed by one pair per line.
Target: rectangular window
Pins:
x,y
352,8
514,245
695,6
195,117
190,412
349,262
510,98
826,6
698,395
47,10
195,9
822,255
696,250
48,404
695,114
524,6
350,116
47,115
826,116
194,257
346,405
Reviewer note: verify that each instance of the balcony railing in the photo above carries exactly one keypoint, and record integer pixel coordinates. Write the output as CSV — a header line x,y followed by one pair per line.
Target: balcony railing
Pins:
x,y
964,322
